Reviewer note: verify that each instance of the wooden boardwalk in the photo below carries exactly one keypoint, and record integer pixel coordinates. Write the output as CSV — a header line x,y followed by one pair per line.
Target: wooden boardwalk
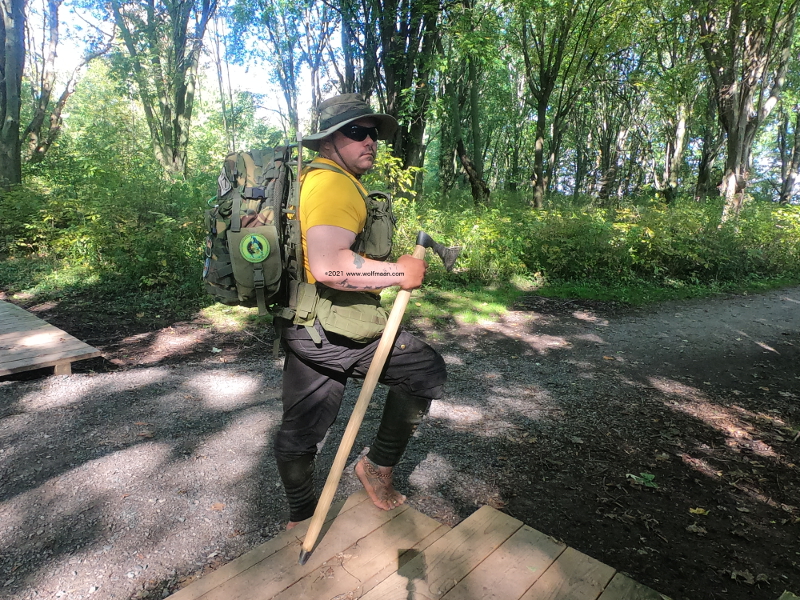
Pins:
x,y
27,342
365,553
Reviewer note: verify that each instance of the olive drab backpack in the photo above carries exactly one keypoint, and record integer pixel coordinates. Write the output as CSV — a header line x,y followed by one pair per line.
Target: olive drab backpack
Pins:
x,y
251,248
254,254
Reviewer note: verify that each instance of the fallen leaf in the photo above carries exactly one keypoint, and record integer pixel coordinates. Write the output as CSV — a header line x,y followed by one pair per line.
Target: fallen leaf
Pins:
x,y
608,358
145,434
743,576
215,350
218,506
766,389
698,511
695,528
576,440
742,509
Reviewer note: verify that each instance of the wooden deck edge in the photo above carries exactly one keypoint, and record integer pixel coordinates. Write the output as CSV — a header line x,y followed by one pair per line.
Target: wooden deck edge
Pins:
x,y
623,587
50,362
213,580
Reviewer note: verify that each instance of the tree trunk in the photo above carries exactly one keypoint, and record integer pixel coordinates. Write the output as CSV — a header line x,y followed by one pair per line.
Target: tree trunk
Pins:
x,y
676,144
747,64
712,145
790,160
164,58
474,117
480,191
538,154
12,64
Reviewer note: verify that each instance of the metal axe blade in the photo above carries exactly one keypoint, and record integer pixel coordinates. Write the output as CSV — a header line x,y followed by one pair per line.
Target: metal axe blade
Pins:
x,y
447,254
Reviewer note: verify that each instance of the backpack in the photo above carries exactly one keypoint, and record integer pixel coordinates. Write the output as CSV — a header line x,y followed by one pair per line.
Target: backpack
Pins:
x,y
251,250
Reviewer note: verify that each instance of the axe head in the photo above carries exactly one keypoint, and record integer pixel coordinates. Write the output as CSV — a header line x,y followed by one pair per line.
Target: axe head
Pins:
x,y
447,254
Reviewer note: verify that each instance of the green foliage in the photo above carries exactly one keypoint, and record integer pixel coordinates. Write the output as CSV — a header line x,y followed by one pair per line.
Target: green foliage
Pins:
x,y
389,175
650,244
98,212
100,206
645,479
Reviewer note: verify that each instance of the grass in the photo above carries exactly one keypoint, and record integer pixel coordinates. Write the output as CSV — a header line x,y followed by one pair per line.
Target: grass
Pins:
x,y
234,318
643,293
441,304
434,305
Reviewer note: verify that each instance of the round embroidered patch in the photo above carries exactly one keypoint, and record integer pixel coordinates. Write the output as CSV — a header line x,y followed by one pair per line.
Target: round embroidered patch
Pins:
x,y
254,248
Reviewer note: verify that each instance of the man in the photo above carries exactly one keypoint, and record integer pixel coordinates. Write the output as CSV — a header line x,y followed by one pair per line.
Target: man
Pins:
x,y
319,362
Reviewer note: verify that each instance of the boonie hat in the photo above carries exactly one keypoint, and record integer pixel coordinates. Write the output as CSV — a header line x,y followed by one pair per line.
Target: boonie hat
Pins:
x,y
336,112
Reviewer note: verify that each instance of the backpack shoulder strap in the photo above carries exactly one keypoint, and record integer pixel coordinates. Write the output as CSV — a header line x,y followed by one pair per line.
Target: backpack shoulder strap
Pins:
x,y
327,167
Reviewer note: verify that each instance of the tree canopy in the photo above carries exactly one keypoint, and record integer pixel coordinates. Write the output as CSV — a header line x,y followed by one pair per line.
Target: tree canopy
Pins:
x,y
604,99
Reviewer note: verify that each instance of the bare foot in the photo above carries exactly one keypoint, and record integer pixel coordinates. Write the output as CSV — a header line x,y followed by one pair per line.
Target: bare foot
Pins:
x,y
292,525
378,483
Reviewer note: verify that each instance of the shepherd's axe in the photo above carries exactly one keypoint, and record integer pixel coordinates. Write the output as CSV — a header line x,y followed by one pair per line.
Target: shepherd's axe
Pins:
x,y
448,256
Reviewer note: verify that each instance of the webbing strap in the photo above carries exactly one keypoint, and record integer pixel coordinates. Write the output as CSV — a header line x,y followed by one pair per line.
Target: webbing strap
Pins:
x,y
258,284
236,217
313,334
327,167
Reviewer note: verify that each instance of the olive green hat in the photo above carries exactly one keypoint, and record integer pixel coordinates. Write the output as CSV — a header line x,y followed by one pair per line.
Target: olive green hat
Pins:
x,y
334,113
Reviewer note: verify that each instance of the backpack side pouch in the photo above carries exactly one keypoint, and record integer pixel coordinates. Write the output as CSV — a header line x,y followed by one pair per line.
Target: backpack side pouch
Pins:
x,y
355,315
256,259
375,241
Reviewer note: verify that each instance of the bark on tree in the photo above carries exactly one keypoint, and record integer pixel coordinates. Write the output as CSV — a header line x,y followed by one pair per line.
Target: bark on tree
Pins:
x,y
713,139
12,64
556,52
480,191
747,48
37,138
673,153
225,89
790,155
164,58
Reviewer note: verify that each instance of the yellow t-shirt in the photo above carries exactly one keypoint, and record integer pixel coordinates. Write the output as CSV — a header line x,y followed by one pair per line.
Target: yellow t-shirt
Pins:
x,y
329,198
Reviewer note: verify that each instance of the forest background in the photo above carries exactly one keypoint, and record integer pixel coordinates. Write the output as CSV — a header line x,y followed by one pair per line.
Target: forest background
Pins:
x,y
626,150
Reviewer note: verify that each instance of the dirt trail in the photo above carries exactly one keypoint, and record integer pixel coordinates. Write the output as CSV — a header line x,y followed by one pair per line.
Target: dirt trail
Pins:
x,y
663,442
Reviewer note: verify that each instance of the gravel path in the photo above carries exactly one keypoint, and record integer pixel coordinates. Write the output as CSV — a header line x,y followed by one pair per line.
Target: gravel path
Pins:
x,y
130,484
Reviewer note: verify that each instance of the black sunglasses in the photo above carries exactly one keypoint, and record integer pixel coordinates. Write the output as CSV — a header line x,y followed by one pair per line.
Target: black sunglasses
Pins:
x,y
359,133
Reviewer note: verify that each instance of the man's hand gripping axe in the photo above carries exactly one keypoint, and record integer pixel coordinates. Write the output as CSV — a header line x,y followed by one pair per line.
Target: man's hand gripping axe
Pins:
x,y
448,256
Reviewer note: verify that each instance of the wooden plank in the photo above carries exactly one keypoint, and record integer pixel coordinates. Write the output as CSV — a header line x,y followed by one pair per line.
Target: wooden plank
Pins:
x,y
15,315
9,335
57,345
47,360
402,559
357,569
226,572
625,588
511,569
434,572
574,576
64,368
281,570
27,342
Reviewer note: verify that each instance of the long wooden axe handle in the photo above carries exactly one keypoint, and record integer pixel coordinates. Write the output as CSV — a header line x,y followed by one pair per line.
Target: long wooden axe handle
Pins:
x,y
349,437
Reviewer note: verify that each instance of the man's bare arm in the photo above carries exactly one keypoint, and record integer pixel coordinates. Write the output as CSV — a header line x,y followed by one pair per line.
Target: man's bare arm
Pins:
x,y
333,263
